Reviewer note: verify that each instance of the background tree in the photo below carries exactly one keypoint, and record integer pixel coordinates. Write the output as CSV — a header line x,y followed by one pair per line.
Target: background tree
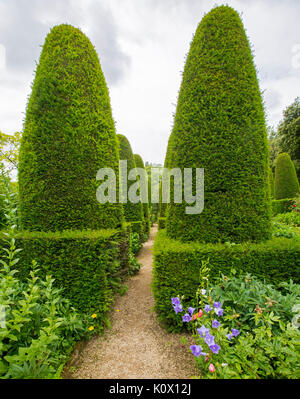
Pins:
x,y
289,133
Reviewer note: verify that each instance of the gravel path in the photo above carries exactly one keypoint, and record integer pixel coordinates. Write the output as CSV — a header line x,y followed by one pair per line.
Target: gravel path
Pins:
x,y
136,346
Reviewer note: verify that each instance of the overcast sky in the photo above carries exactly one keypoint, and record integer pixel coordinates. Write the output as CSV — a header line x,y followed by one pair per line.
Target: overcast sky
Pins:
x,y
142,46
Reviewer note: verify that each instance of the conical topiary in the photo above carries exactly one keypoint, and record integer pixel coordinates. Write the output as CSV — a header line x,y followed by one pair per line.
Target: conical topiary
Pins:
x,y
140,164
286,181
220,126
69,135
132,211
271,182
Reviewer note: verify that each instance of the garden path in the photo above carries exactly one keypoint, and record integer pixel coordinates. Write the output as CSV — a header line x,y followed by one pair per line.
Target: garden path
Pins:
x,y
136,346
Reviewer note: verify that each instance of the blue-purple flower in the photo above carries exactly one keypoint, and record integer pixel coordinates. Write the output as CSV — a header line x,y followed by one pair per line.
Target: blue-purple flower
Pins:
x,y
207,308
219,311
197,350
186,318
178,308
229,336
209,339
235,332
191,310
175,301
203,331
215,324
217,304
214,348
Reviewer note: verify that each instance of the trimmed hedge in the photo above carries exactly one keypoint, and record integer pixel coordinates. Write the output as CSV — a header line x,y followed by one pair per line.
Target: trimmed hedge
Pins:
x,y
176,267
69,134
161,223
86,264
286,181
220,126
139,228
132,212
272,184
140,164
282,206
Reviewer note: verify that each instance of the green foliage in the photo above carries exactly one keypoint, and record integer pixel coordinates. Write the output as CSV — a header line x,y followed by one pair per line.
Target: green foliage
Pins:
x,y
161,223
286,181
84,263
40,327
220,126
255,336
138,228
177,264
135,243
132,212
282,206
290,219
69,134
140,164
271,182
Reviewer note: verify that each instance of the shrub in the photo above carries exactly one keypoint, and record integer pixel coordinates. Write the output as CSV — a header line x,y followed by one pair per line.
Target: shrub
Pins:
x,y
69,134
290,219
177,265
132,212
84,263
282,206
161,223
286,181
271,182
140,164
220,126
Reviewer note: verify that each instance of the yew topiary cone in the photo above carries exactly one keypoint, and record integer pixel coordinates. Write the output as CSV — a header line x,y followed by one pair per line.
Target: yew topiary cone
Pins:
x,y
69,135
140,164
220,126
132,212
286,181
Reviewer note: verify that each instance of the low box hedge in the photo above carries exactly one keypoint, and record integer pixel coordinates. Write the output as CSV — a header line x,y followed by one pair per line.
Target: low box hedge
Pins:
x,y
86,264
176,267
282,206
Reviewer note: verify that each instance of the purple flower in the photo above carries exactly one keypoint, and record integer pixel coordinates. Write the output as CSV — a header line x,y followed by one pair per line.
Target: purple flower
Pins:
x,y
219,311
203,331
214,348
215,324
197,350
209,339
178,308
207,308
217,304
186,317
191,310
175,301
235,332
229,336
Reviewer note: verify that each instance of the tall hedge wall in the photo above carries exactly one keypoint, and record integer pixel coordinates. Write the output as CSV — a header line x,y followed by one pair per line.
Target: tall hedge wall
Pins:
x,y
139,163
286,181
220,126
69,134
132,212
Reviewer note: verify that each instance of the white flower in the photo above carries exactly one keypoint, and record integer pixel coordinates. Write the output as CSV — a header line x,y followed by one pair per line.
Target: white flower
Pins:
x,y
203,292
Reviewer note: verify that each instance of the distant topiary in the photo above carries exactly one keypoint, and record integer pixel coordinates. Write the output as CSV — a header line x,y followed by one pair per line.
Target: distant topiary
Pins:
x,y
220,126
133,212
271,182
140,164
286,182
69,135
